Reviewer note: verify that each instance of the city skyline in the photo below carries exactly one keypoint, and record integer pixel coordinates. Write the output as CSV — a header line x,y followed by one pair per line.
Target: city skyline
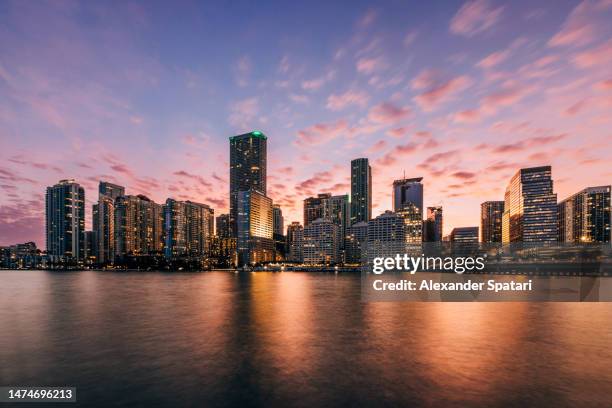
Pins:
x,y
517,87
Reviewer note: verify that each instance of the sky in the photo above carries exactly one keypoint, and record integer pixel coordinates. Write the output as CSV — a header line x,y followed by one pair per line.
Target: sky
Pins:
x,y
146,94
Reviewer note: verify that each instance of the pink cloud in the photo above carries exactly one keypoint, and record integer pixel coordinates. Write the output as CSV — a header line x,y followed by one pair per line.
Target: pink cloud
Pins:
x,y
475,17
387,113
341,101
582,26
322,133
398,132
437,89
601,55
378,146
467,116
370,65
493,59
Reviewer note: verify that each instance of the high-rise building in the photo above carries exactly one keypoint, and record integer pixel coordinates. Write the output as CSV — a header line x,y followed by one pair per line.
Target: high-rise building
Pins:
x,y
408,191
138,226
491,214
530,207
316,207
387,236
355,242
361,191
322,242
254,221
65,221
464,235
433,227
295,242
414,222
187,229
278,220
103,221
334,208
223,229
585,216
247,169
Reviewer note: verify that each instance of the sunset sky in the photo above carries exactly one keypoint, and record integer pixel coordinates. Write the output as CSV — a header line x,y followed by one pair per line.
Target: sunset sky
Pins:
x,y
146,95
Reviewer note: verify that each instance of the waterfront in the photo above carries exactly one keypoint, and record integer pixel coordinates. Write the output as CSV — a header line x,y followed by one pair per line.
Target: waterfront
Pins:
x,y
292,339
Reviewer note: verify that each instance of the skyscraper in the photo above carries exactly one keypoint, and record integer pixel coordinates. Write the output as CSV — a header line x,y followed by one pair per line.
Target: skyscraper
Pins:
x,y
138,226
322,242
334,208
247,169
103,221
65,221
223,229
585,216
361,191
491,214
530,207
408,191
387,236
254,221
355,242
278,221
295,242
433,224
414,222
187,229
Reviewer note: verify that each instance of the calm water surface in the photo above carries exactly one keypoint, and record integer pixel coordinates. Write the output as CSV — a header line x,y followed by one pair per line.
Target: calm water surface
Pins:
x,y
292,339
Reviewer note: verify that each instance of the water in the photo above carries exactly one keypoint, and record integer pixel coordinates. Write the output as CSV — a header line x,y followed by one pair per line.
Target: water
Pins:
x,y
292,339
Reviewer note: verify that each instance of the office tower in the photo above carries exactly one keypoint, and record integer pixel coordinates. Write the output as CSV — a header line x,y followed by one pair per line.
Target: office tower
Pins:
x,y
65,221
295,242
355,242
187,229
334,208
433,227
254,242
247,169
361,191
103,221
414,222
322,242
530,207
387,236
585,216
464,235
408,191
278,221
491,214
223,229
138,226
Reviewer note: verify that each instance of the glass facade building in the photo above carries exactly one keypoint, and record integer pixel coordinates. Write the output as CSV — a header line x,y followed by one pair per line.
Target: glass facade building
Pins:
x,y
530,207
433,226
491,214
361,191
408,191
254,223
585,216
247,169
65,221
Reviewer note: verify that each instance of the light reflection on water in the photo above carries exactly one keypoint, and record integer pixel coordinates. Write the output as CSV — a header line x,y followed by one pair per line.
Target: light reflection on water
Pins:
x,y
296,339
